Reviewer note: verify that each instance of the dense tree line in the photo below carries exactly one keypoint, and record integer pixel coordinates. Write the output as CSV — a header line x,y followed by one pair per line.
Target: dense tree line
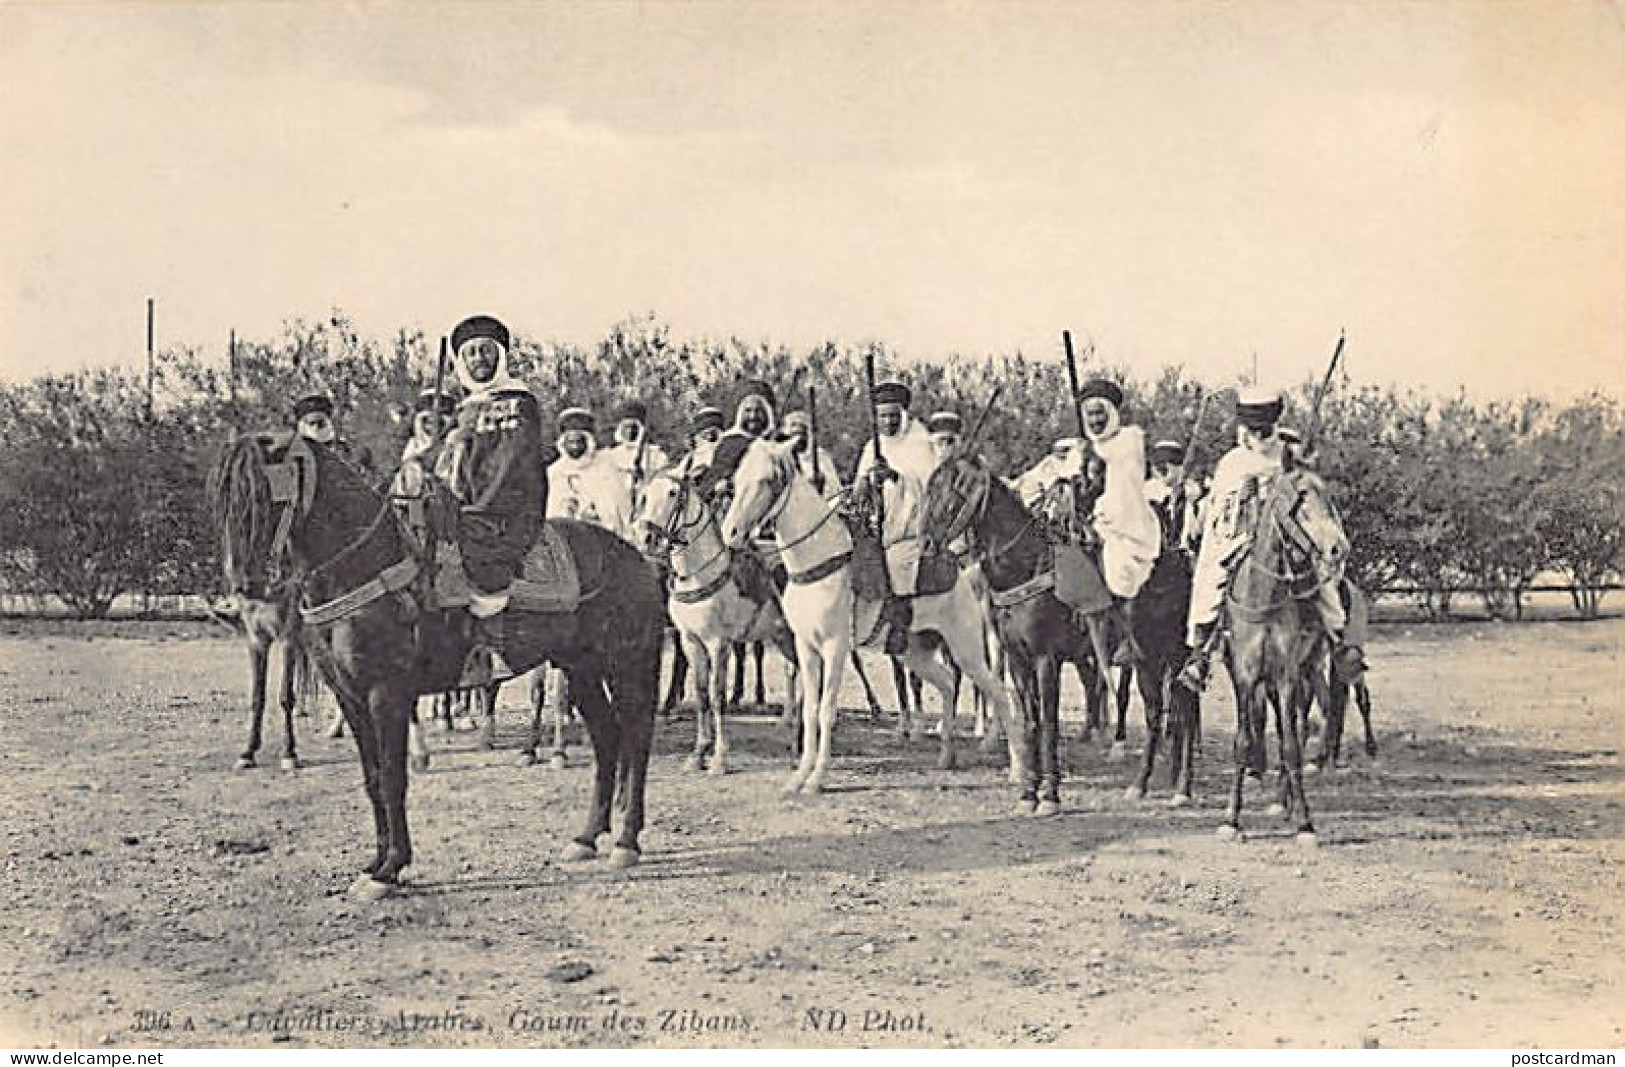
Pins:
x,y
101,495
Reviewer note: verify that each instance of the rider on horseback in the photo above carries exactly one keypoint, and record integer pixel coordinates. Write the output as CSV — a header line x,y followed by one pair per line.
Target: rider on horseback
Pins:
x,y
899,475
577,481
491,466
1243,476
946,430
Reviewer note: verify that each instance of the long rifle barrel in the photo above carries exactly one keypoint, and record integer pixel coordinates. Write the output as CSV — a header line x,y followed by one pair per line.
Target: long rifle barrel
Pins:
x,y
812,439
439,382
1320,394
1072,380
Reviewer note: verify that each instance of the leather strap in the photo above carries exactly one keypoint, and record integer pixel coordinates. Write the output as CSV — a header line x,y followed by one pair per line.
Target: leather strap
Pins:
x,y
822,570
1028,590
393,579
704,592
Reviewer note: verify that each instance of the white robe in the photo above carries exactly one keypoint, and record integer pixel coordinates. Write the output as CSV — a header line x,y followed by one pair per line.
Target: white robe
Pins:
x,y
619,467
909,454
1129,532
581,489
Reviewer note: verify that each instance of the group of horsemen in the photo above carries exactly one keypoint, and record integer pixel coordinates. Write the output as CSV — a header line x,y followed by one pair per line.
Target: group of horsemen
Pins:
x,y
488,449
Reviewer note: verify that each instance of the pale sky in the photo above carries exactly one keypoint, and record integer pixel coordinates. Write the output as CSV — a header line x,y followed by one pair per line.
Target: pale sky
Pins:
x,y
1180,182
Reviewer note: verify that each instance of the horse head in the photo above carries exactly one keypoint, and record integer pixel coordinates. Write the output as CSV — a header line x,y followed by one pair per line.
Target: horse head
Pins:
x,y
955,500
260,489
761,486
663,514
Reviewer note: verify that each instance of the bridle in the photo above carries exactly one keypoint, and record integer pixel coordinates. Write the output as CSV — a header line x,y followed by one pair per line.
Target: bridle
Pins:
x,y
1268,522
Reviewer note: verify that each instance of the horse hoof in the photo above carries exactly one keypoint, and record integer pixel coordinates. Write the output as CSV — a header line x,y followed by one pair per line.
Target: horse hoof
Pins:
x,y
718,767
1311,769
792,787
576,852
557,761
813,786
1275,811
420,764
246,763
1046,808
1307,840
622,858
289,763
1026,806
1118,752
367,888
1227,832
1179,800
694,763
946,761
1134,792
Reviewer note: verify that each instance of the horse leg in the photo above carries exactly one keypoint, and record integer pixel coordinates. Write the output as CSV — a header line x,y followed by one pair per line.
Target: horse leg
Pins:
x,y
1244,752
1331,739
536,697
922,662
1185,710
738,693
563,708
1125,682
633,702
679,678
359,719
290,698
1100,685
719,671
1298,800
259,653
905,714
1049,735
868,690
488,740
417,747
758,651
710,685
392,710
1362,697
1284,713
812,674
604,730
1151,695
831,659
1024,678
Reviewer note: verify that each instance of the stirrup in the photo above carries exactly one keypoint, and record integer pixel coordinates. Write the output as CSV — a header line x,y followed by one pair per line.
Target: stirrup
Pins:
x,y
1193,675
485,605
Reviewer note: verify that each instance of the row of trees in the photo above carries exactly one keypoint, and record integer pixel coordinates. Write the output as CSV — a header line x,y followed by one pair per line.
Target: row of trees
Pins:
x,y
102,493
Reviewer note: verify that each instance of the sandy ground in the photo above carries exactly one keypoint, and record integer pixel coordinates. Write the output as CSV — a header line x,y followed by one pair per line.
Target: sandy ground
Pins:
x,y
1467,891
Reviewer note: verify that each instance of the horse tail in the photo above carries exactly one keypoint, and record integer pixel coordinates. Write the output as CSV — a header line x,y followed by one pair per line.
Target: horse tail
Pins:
x,y
240,502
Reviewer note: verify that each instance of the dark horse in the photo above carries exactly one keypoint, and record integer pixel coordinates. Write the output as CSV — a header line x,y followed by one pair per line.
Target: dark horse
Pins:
x,y
1268,645
1159,631
385,647
1038,631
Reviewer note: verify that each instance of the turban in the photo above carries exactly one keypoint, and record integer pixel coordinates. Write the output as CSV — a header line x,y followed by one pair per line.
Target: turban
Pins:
x,y
1258,409
892,393
945,422
1102,389
707,418
575,419
479,326
429,400
632,409
311,405
1167,452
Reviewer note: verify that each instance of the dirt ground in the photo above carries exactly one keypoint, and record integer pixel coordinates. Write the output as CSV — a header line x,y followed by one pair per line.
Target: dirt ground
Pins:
x,y
1467,891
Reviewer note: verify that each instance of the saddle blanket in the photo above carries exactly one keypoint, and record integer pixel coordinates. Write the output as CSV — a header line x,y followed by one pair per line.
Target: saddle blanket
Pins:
x,y
548,580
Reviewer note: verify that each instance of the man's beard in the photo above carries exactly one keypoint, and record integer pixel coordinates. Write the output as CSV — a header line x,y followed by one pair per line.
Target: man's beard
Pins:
x,y
799,444
575,449
754,424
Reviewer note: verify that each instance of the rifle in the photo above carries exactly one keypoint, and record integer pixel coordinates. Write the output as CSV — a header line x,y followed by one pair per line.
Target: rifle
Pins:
x,y
439,381
987,409
1320,394
1072,378
812,439
874,437
1196,428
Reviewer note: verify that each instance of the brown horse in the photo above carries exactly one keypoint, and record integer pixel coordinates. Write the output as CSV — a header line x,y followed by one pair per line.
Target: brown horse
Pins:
x,y
1267,647
1039,633
379,646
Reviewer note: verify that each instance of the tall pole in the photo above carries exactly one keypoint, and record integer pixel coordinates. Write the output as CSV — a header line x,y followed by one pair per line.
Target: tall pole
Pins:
x,y
231,367
151,360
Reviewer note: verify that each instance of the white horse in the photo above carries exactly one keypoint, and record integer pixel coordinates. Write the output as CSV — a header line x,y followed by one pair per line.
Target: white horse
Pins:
x,y
707,604
819,606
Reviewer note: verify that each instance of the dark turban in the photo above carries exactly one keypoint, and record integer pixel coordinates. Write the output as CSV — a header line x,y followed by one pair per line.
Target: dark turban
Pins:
x,y
479,326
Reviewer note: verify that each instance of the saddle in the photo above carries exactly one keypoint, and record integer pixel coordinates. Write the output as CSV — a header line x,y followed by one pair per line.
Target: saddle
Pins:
x,y
548,580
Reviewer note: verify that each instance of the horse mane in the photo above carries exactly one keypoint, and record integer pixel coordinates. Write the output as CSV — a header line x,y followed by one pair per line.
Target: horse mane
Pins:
x,y
240,504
